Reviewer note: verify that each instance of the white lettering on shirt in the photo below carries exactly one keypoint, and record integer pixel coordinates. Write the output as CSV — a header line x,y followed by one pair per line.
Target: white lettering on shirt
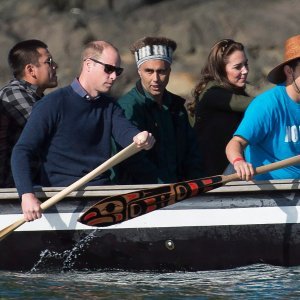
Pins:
x,y
292,134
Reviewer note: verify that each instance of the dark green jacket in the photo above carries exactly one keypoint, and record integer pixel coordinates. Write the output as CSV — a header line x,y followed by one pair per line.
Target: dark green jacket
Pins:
x,y
175,156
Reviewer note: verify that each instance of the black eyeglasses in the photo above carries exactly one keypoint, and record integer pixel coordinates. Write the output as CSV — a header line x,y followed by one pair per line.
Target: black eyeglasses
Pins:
x,y
50,62
109,69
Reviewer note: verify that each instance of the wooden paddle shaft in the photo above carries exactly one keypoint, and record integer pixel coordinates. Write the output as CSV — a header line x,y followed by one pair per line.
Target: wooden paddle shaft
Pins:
x,y
295,160
119,157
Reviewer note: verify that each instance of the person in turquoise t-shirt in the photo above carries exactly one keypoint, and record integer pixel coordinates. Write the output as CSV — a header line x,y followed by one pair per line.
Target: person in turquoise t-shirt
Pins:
x,y
270,129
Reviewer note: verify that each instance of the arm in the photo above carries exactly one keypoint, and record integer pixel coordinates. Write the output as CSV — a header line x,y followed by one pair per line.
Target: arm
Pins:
x,y
234,151
139,168
30,142
20,163
123,129
23,152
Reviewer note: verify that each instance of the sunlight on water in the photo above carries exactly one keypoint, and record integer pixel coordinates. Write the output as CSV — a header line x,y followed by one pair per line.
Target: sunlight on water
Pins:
x,y
252,282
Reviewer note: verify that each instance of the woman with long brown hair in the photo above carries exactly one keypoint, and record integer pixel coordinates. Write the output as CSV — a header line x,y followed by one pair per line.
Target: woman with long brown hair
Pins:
x,y
220,99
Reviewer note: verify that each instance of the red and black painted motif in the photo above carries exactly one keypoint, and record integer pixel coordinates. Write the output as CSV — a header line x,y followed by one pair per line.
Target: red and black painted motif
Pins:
x,y
117,209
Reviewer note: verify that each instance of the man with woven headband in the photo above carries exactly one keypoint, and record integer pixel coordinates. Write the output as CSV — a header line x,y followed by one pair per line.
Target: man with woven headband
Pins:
x,y
150,106
270,130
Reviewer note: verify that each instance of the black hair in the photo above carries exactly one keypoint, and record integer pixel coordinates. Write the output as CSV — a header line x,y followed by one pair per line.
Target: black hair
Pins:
x,y
24,53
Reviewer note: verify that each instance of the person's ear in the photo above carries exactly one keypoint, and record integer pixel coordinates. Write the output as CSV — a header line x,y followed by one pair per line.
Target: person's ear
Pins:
x,y
88,63
29,70
288,71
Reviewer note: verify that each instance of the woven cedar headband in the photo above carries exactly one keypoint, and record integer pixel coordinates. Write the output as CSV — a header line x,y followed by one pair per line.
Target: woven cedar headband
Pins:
x,y
150,52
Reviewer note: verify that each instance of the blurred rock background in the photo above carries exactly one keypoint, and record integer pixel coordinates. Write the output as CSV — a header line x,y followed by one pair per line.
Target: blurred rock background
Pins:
x,y
66,25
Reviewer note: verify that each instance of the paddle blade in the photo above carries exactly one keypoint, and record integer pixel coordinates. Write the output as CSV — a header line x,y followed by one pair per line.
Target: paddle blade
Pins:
x,y
117,209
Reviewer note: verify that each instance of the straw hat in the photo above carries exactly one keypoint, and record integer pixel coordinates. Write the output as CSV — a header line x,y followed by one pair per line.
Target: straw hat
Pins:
x,y
292,51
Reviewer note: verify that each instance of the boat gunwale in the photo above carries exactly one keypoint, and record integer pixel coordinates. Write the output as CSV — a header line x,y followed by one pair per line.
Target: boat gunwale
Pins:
x,y
289,185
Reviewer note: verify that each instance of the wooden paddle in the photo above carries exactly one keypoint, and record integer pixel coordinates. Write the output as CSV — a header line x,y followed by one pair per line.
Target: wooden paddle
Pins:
x,y
120,208
119,157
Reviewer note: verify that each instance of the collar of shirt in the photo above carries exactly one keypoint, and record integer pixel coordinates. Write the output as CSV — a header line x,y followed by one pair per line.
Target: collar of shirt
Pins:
x,y
78,89
32,88
149,100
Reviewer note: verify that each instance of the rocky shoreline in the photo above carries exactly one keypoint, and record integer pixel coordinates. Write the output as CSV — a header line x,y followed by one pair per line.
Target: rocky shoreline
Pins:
x,y
262,26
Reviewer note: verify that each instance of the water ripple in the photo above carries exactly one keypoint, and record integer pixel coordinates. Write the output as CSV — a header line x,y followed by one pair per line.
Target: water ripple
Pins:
x,y
252,282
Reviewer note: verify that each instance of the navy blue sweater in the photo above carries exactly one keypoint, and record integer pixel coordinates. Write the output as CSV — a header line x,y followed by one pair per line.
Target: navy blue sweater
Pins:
x,y
72,135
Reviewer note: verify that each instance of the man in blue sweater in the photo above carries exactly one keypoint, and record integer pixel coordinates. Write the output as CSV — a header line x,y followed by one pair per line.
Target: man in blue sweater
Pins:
x,y
71,129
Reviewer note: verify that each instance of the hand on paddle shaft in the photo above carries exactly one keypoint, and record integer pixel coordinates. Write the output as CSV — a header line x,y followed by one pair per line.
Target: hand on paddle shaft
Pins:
x,y
116,159
116,209
244,169
144,140
31,206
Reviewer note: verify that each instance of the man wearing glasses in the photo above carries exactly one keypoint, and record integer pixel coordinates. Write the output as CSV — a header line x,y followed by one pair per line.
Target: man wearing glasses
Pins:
x,y
150,106
71,129
34,71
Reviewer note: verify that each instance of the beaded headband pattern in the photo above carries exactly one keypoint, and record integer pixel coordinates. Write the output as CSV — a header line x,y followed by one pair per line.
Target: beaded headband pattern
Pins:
x,y
150,52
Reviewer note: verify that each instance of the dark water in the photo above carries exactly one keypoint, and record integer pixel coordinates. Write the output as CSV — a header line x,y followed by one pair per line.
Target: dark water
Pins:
x,y
252,282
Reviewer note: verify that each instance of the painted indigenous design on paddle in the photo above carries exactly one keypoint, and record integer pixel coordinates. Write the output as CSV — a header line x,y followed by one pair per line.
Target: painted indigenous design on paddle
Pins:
x,y
117,209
